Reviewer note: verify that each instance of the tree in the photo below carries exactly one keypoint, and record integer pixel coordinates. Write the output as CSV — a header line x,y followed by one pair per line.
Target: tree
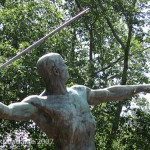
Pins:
x,y
102,48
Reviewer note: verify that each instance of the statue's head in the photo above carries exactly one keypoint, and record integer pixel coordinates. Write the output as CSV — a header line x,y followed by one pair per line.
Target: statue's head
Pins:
x,y
51,67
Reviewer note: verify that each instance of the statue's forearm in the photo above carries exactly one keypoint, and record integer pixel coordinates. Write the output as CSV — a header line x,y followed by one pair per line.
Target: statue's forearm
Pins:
x,y
144,88
125,91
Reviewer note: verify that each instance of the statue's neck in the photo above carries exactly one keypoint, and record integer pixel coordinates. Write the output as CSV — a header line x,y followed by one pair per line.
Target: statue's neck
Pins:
x,y
55,88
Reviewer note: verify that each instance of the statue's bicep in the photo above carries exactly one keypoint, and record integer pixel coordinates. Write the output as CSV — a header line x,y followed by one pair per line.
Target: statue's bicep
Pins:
x,y
99,96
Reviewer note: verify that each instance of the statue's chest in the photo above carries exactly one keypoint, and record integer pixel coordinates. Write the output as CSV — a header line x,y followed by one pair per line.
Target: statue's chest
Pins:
x,y
68,116
67,107
74,116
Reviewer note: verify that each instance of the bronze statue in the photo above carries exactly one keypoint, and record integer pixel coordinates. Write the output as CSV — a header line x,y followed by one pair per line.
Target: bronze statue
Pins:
x,y
64,113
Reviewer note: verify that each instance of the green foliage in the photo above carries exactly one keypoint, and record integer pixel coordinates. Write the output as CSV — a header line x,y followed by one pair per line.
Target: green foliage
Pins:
x,y
107,46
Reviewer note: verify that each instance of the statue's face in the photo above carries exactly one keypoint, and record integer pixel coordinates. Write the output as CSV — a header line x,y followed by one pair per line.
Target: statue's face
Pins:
x,y
64,75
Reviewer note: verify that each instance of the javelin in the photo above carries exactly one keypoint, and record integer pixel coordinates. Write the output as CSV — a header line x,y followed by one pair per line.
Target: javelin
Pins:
x,y
43,39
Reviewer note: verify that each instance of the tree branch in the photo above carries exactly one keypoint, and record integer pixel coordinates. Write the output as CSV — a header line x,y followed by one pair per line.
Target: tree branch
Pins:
x,y
111,26
112,64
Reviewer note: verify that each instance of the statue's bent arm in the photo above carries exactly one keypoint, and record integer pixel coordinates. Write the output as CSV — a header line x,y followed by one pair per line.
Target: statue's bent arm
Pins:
x,y
21,111
115,93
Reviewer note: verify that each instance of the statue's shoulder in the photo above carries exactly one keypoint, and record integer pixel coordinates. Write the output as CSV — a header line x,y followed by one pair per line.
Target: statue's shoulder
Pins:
x,y
78,89
31,99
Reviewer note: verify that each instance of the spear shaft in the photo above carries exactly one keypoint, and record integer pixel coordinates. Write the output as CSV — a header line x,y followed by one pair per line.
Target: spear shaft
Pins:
x,y
43,39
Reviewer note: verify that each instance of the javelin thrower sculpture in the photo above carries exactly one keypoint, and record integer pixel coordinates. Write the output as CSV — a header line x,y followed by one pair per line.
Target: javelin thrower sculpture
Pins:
x,y
63,113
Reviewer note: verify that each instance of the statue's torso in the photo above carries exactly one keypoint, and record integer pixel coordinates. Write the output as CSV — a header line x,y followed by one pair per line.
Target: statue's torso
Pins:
x,y
72,126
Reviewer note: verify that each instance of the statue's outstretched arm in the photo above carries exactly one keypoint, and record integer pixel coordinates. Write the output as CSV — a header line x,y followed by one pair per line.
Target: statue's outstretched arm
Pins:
x,y
115,93
20,111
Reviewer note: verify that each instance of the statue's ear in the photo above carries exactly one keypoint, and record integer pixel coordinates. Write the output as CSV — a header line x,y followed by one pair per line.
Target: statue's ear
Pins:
x,y
56,71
